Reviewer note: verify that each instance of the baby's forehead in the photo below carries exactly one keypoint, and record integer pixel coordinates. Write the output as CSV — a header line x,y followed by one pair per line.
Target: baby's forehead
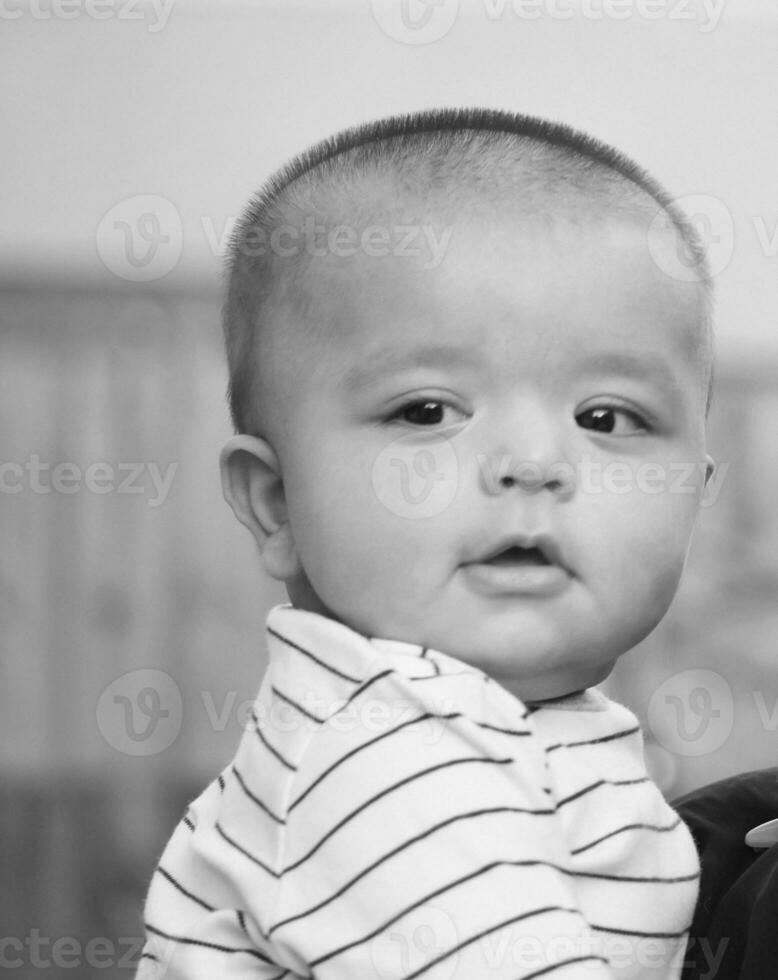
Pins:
x,y
382,247
528,271
333,237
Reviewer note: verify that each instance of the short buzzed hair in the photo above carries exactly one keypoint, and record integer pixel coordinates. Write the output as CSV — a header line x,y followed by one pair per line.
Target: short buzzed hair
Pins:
x,y
426,154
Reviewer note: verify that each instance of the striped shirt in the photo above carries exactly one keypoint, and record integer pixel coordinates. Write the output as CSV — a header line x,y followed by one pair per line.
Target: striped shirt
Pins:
x,y
394,813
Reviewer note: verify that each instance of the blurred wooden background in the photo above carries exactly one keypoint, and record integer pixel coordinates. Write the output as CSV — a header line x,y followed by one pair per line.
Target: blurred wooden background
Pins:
x,y
95,586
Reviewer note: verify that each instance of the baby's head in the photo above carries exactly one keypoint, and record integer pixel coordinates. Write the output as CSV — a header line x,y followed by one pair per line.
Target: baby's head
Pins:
x,y
470,359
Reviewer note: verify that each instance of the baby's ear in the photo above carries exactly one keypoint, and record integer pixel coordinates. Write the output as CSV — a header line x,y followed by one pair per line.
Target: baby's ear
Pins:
x,y
254,489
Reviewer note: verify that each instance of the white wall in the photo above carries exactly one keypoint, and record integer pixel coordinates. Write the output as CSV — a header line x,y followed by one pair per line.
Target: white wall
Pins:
x,y
198,102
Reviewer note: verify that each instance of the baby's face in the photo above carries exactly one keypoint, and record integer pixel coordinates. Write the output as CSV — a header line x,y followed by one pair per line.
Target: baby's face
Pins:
x,y
500,458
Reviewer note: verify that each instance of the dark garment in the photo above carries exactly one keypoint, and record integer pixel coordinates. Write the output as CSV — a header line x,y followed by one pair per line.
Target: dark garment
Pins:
x,y
734,935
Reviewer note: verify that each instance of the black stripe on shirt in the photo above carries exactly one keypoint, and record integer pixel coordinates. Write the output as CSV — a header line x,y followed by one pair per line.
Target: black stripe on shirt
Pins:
x,y
601,782
632,879
391,789
238,847
295,705
185,891
503,731
593,741
317,660
254,798
363,687
453,673
359,748
643,935
186,941
408,843
620,830
241,916
555,966
271,748
188,822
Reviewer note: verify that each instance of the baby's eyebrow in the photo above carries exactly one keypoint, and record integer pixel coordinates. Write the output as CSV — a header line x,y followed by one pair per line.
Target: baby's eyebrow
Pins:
x,y
376,363
643,367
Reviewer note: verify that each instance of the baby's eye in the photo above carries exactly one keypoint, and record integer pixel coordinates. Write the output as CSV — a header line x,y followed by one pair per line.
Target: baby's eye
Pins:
x,y
426,411
612,421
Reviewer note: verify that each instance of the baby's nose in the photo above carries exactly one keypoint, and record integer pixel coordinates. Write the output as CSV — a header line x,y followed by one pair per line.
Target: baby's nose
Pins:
x,y
530,456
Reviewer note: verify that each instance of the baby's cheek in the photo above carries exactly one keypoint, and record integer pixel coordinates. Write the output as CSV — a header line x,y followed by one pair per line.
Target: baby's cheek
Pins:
x,y
658,518
660,545
344,539
641,540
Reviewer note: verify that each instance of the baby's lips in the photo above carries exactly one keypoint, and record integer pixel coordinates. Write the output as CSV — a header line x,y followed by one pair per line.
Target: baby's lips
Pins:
x,y
543,542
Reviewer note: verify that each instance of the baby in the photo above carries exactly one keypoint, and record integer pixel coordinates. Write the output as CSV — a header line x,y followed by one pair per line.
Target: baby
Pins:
x,y
469,354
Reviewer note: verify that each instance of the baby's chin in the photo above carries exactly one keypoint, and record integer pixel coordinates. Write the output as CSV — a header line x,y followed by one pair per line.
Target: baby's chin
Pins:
x,y
552,686
532,668
532,657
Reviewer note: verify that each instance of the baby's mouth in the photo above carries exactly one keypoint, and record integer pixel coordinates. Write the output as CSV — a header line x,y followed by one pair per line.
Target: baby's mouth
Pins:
x,y
524,550
518,556
520,565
